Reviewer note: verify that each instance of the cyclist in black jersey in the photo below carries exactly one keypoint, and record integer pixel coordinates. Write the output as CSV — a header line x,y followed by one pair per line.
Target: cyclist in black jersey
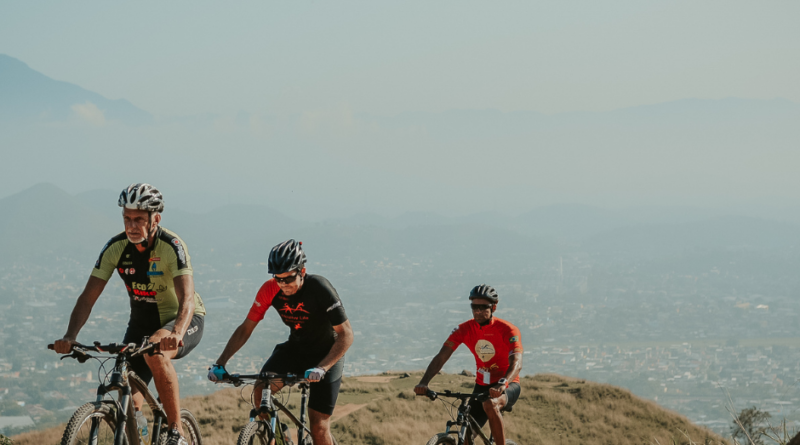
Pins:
x,y
320,333
155,266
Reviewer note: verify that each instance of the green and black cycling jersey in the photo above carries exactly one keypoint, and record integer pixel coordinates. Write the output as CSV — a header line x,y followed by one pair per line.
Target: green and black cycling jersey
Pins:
x,y
148,276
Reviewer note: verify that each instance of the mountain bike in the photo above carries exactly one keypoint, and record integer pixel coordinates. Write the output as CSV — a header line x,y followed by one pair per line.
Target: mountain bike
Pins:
x,y
265,427
467,429
109,419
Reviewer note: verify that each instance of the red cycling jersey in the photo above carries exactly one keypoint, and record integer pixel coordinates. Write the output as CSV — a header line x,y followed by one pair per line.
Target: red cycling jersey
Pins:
x,y
491,345
263,300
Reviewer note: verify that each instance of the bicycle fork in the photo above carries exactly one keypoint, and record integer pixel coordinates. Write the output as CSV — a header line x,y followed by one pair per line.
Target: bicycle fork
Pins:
x,y
267,408
303,400
116,384
466,425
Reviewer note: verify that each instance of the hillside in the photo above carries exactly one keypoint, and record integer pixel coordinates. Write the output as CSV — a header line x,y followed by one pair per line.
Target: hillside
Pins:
x,y
382,410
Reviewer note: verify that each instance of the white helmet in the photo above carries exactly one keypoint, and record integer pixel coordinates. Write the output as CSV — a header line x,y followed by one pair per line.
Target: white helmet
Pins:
x,y
141,196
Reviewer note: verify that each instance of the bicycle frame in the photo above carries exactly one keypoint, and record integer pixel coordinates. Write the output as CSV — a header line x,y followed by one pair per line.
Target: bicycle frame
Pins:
x,y
269,407
468,428
123,381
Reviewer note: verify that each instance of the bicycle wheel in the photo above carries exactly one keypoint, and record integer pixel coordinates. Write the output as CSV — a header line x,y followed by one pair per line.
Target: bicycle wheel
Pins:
x,y
442,439
254,433
510,442
308,441
78,431
191,429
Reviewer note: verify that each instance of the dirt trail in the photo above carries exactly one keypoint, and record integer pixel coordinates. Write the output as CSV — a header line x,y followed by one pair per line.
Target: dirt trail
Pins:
x,y
343,410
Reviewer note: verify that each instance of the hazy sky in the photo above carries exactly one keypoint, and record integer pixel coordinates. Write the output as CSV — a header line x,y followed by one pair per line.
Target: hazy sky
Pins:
x,y
324,108
276,57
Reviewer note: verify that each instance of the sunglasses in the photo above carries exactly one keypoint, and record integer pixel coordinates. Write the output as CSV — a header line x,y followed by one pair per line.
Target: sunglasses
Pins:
x,y
480,307
286,280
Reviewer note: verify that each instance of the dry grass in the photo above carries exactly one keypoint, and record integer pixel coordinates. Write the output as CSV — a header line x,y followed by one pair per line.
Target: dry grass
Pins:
x,y
552,410
50,436
376,378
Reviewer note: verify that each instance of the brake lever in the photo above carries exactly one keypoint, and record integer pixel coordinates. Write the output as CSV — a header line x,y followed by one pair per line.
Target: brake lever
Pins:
x,y
79,356
233,379
155,350
430,394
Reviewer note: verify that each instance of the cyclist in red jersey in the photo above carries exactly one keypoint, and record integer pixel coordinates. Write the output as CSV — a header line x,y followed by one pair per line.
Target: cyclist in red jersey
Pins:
x,y
320,333
497,348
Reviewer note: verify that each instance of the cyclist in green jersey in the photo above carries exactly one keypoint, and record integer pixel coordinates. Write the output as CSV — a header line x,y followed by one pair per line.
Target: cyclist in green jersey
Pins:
x,y
155,266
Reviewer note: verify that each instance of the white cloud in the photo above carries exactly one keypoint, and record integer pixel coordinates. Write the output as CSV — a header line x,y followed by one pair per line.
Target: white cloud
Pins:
x,y
90,113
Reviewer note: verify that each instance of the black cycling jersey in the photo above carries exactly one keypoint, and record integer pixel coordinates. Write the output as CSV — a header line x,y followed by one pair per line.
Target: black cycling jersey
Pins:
x,y
311,313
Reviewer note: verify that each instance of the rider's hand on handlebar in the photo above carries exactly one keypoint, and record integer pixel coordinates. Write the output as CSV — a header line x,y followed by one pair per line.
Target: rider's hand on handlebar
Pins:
x,y
218,373
315,374
496,390
421,390
64,345
168,342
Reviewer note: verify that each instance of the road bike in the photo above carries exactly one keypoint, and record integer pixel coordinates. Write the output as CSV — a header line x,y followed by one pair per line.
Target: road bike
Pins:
x,y
265,427
109,420
467,429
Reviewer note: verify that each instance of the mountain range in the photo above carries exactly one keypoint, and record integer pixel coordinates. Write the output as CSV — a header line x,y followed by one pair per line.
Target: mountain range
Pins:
x,y
28,95
729,154
45,220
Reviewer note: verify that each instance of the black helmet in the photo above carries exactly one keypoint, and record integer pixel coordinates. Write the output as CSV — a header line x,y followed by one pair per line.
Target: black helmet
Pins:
x,y
484,291
286,257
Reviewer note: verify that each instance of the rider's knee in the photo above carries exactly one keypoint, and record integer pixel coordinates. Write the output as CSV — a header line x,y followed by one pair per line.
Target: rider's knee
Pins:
x,y
157,363
320,426
492,407
319,422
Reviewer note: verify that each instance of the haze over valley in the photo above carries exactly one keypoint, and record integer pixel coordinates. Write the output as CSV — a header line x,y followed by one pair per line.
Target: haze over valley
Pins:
x,y
682,313
624,174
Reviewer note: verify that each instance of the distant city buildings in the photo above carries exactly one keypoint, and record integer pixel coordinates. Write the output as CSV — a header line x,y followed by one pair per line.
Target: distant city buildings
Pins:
x,y
692,342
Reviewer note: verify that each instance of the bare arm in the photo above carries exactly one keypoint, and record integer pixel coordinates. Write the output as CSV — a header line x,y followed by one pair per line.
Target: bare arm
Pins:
x,y
514,367
344,338
83,308
237,340
433,368
184,290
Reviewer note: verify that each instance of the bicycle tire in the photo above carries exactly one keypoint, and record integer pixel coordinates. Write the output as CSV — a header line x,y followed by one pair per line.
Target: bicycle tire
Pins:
x,y
78,428
255,433
191,430
442,439
510,442
308,441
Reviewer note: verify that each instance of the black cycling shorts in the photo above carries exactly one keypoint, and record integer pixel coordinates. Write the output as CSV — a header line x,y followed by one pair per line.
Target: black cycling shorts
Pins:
x,y
476,408
289,358
190,340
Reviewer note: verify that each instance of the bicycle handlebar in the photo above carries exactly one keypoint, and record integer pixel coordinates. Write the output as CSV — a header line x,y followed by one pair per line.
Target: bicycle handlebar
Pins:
x,y
241,379
79,351
479,396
